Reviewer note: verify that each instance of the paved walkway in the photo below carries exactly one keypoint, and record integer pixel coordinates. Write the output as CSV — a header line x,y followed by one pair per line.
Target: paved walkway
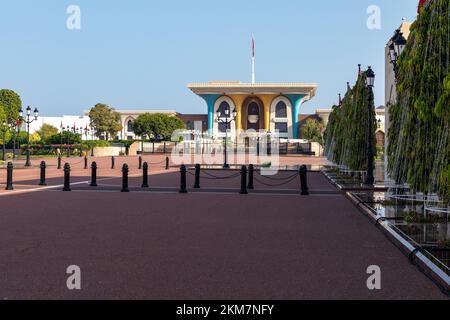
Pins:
x,y
145,245
27,179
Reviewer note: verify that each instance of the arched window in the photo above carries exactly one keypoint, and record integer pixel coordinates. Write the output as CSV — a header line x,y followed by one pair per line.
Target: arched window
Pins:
x,y
281,110
223,109
130,126
253,109
253,116
281,113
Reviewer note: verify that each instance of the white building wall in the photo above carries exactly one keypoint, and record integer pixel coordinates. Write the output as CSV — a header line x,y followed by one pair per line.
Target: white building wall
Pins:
x,y
66,121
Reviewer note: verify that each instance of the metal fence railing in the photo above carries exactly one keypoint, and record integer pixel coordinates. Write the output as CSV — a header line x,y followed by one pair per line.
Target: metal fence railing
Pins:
x,y
213,147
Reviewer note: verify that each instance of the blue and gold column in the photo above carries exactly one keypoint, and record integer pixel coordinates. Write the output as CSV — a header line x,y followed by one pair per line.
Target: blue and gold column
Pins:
x,y
210,100
297,101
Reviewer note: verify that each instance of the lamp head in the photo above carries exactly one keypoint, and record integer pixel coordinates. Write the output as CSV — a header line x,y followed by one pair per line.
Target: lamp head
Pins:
x,y
370,77
399,44
392,53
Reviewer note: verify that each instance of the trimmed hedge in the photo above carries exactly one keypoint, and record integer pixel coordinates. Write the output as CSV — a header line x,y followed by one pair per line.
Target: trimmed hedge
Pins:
x,y
346,136
419,134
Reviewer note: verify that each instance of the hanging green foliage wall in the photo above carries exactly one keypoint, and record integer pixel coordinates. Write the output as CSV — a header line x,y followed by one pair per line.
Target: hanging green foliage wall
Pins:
x,y
419,133
346,136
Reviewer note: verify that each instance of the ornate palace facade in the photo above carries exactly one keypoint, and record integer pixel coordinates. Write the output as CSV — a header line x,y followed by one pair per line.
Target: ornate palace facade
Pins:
x,y
267,108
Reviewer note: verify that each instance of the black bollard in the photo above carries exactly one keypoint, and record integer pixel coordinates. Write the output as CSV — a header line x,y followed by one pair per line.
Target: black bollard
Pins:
x,y
257,147
113,162
251,171
125,178
66,178
145,176
42,180
59,162
140,162
183,179
94,174
9,176
85,162
304,180
167,163
197,176
244,180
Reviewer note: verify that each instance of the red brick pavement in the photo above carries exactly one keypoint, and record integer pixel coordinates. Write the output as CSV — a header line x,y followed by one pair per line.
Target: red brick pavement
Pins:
x,y
197,246
153,245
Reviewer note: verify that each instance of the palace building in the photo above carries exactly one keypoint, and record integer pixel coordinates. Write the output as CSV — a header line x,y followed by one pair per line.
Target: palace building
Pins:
x,y
265,107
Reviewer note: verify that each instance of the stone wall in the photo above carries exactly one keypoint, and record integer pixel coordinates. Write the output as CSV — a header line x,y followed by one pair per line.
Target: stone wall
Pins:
x,y
109,151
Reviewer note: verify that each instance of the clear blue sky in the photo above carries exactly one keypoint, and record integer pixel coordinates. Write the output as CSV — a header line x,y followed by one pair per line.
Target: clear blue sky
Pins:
x,y
142,53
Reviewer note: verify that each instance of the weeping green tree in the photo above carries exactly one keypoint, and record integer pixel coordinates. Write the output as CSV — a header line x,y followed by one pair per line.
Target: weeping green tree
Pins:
x,y
419,134
347,133
312,131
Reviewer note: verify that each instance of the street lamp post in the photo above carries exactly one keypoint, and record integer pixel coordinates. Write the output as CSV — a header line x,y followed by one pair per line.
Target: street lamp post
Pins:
x,y
68,141
14,126
86,133
370,81
398,43
80,132
226,120
93,140
18,125
142,144
5,127
28,121
12,129
61,139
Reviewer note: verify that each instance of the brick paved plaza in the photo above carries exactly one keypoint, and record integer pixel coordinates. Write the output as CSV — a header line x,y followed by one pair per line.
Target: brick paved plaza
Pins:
x,y
208,244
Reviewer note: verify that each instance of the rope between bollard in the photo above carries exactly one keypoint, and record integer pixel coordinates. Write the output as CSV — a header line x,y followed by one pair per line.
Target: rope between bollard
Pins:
x,y
74,164
216,178
277,179
222,178
276,185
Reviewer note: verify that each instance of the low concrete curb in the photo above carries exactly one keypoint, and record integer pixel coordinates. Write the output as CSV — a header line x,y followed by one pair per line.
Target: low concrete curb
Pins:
x,y
439,277
362,189
425,265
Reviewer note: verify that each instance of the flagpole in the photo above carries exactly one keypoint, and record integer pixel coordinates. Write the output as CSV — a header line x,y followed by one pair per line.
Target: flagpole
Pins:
x,y
253,70
253,60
